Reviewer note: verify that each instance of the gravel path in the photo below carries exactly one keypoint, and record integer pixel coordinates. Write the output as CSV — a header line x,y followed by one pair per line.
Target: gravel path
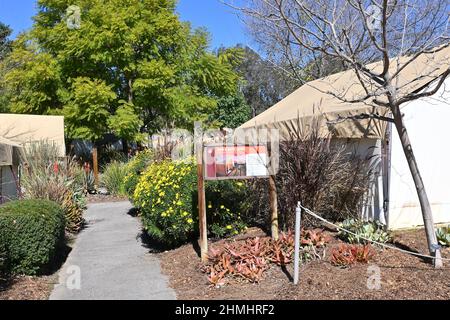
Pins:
x,y
111,260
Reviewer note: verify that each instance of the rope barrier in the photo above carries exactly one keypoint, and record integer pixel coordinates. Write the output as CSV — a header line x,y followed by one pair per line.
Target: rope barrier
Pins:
x,y
369,240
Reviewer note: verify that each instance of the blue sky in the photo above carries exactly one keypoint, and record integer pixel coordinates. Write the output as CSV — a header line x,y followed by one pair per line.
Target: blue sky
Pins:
x,y
221,22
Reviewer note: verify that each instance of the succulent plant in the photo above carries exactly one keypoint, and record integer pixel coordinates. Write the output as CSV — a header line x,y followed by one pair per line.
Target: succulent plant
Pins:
x,y
248,260
345,255
443,236
362,230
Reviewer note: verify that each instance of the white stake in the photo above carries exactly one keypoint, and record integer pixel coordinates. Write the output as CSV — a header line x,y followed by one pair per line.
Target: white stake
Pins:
x,y
298,214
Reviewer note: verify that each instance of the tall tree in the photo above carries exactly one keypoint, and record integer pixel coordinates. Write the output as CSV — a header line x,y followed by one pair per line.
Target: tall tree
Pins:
x,y
231,112
356,32
264,82
123,66
5,48
5,42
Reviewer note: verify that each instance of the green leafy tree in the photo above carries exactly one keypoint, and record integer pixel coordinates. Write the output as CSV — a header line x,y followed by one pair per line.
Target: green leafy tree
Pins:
x,y
120,66
5,42
264,83
5,48
231,112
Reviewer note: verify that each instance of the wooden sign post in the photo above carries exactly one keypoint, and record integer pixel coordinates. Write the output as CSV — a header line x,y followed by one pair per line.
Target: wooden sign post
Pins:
x,y
225,163
273,198
201,194
95,165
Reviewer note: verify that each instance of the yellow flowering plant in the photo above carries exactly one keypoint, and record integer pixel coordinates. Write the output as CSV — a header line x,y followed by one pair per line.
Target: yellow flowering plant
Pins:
x,y
135,167
167,198
164,196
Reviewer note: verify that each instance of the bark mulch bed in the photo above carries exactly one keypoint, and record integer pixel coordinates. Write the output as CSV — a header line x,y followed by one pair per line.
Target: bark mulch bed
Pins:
x,y
402,276
28,288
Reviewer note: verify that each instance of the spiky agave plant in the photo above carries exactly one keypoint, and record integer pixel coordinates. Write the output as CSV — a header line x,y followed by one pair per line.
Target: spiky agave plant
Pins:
x,y
47,176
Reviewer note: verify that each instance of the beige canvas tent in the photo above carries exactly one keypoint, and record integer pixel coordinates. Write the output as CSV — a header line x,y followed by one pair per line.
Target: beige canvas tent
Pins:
x,y
16,131
324,99
392,199
9,162
24,129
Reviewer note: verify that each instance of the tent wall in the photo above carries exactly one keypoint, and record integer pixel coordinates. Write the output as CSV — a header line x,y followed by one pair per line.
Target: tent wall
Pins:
x,y
8,185
427,121
370,149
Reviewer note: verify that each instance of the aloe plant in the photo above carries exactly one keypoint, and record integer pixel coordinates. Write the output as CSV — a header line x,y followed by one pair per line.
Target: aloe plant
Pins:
x,y
362,230
443,236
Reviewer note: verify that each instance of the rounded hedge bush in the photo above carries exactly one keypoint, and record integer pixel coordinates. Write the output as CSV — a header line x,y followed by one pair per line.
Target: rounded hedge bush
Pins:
x,y
31,231
4,263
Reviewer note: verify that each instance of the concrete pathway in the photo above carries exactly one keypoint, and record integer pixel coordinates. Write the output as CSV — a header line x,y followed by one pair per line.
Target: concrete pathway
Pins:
x,y
108,261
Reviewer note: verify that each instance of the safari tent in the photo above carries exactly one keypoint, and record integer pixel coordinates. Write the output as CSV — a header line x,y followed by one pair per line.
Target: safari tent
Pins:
x,y
9,164
25,129
16,131
393,199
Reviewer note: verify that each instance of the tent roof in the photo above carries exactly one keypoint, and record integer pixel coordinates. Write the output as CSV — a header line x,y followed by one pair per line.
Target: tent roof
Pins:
x,y
23,129
313,100
8,142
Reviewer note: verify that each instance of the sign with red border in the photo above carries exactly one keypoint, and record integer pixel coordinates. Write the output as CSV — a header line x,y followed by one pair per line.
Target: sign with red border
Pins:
x,y
235,162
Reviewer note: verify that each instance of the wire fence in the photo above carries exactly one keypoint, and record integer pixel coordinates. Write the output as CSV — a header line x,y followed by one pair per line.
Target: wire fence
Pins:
x,y
315,215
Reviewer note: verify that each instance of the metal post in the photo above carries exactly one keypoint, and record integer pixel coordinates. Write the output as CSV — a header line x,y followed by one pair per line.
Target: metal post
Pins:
x,y
298,214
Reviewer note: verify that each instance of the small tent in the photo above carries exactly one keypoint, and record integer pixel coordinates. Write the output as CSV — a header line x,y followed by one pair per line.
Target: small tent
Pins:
x,y
393,199
9,162
24,129
16,131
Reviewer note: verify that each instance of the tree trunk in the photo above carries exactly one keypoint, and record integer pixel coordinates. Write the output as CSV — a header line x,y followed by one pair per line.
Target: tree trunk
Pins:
x,y
420,187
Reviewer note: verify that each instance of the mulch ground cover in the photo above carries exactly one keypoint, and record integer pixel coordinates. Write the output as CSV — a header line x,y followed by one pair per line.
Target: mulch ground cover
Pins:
x,y
403,276
28,288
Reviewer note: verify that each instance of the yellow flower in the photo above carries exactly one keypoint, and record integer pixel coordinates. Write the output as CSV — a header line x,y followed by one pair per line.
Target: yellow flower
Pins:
x,y
222,207
185,213
229,227
190,221
210,206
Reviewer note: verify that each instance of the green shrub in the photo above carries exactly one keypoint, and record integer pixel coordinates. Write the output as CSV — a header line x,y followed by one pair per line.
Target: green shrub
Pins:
x,y
167,198
225,204
135,168
32,231
443,236
368,230
4,263
113,178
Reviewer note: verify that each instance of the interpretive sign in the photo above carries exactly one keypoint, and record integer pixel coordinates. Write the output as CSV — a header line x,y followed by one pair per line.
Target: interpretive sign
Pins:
x,y
235,162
